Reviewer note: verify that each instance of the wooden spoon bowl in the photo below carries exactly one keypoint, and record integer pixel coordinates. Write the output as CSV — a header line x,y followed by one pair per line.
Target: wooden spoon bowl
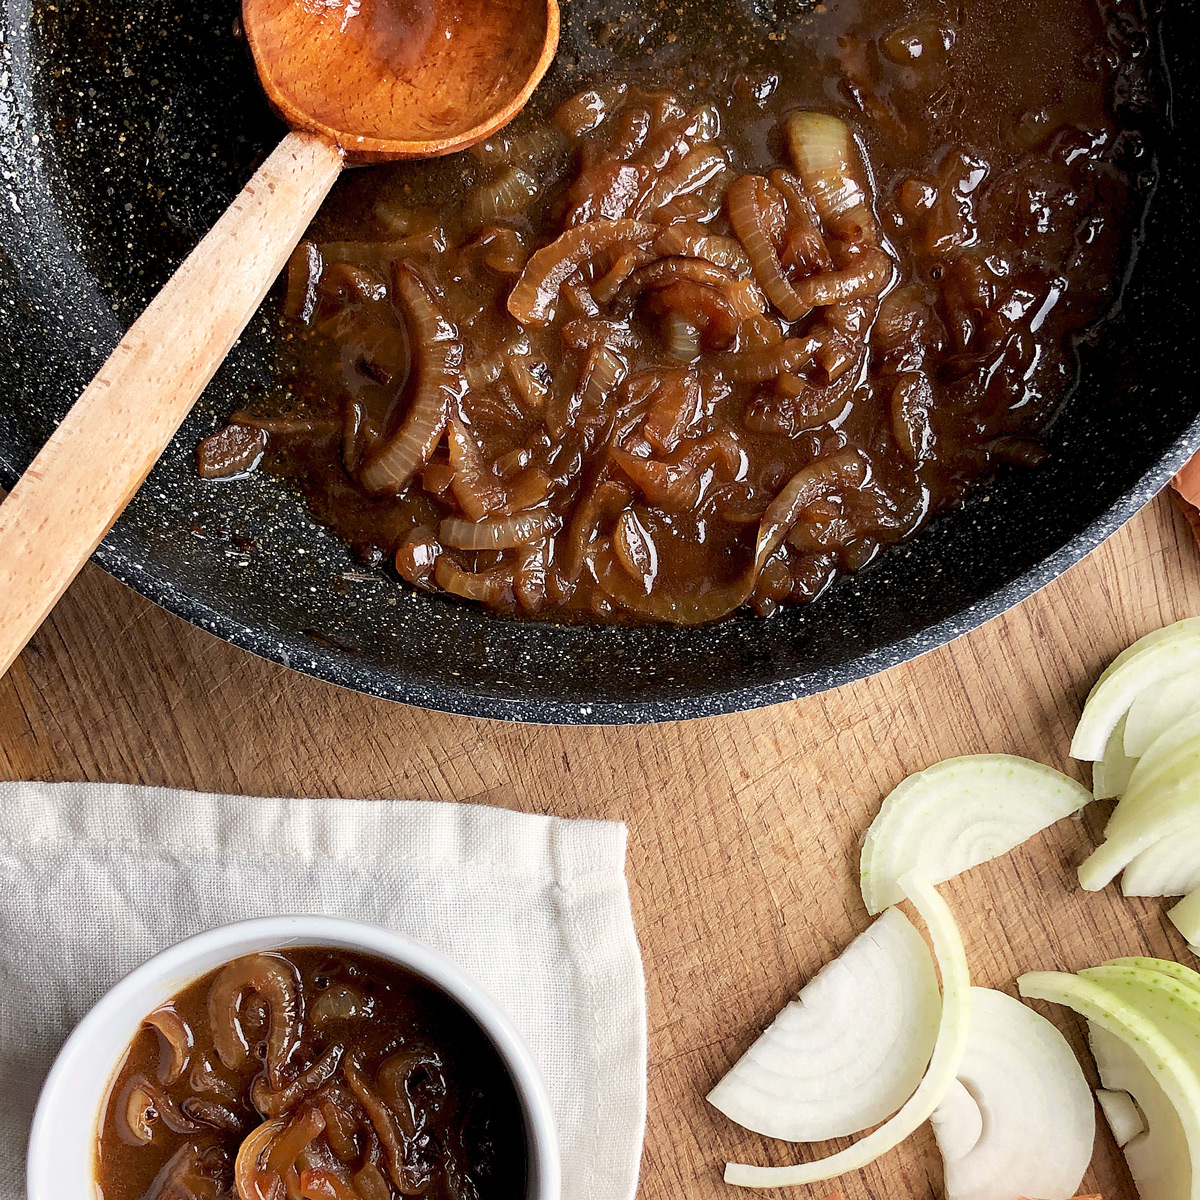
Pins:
x,y
387,79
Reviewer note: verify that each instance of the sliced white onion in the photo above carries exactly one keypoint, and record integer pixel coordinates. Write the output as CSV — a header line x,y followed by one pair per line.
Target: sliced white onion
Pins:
x,y
1164,966
1156,1149
1173,753
1121,1111
1111,774
1185,916
943,1067
1146,641
1139,1058
1170,867
1157,709
1118,688
849,1050
1168,807
1038,1119
958,813
957,1123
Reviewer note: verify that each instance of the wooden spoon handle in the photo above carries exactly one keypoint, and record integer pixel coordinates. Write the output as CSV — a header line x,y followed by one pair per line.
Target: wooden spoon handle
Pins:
x,y
104,448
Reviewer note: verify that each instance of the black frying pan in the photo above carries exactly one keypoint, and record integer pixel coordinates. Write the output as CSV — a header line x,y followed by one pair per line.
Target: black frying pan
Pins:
x,y
125,129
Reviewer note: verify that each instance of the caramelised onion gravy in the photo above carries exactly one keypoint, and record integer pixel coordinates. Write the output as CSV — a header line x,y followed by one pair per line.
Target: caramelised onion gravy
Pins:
x,y
314,1073
744,298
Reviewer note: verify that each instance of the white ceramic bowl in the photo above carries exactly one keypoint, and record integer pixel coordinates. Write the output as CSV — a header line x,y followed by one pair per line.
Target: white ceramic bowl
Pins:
x,y
62,1144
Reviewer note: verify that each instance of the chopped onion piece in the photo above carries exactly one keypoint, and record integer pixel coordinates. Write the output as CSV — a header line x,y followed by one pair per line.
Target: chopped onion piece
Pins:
x,y
1038,1123
1185,916
1152,1137
1175,750
1111,774
1137,1056
1164,966
1166,806
1187,625
957,1123
1170,867
1157,709
958,813
1114,692
943,1066
1121,1112
850,1050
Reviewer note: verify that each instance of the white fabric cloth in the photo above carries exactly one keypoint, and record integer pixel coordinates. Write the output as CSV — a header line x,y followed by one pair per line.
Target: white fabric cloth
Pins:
x,y
95,878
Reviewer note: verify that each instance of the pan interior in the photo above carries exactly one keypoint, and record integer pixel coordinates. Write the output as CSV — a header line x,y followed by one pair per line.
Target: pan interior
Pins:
x,y
126,131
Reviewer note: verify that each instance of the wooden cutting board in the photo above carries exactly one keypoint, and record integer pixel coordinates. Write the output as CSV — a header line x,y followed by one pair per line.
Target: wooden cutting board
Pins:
x,y
744,829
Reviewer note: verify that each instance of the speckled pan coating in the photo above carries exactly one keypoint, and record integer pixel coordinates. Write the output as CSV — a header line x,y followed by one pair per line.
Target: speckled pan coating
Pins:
x,y
124,135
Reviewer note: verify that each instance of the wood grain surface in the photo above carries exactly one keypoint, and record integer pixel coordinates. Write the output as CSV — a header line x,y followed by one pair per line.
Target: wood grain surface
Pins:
x,y
744,829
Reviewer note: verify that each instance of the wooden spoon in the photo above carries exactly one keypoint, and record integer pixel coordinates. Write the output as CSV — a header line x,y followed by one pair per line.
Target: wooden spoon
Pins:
x,y
359,81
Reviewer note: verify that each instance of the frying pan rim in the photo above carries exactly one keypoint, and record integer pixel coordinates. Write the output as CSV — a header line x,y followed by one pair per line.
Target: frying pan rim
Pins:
x,y
332,666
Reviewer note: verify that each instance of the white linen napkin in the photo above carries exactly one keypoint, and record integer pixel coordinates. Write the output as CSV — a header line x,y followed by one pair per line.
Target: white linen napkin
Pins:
x,y
94,878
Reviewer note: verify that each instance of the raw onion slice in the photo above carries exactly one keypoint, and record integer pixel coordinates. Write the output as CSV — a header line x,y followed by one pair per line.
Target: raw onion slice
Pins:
x,y
1146,1124
1139,1057
1164,966
1113,694
1111,774
1157,709
1169,808
958,813
1121,1112
1146,641
1170,867
1038,1123
943,1066
957,1122
1175,751
850,1050
1185,916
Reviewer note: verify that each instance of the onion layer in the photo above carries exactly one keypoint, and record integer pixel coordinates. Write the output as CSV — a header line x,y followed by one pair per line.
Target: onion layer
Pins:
x,y
849,1050
948,1052
438,357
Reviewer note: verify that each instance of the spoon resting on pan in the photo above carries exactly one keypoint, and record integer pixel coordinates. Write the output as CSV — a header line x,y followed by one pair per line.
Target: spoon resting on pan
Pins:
x,y
359,81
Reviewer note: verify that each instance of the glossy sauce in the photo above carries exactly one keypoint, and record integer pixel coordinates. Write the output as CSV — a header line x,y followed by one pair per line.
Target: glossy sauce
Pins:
x,y
313,1073
689,415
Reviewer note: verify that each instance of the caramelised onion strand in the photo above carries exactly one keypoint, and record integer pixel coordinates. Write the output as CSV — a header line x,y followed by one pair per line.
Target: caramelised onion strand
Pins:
x,y
320,1183
536,293
693,171
604,371
747,199
384,1124
837,473
251,1181
271,1102
177,1037
759,364
297,1135
694,241
806,248
871,273
145,1104
275,980
440,386
665,271
831,168
493,588
497,533
475,486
